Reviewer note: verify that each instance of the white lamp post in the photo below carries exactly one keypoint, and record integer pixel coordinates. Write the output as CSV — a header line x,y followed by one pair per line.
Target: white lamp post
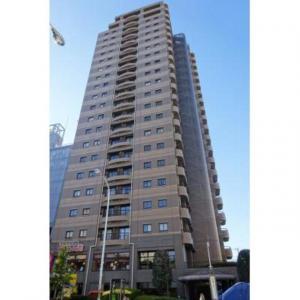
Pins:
x,y
104,239
212,278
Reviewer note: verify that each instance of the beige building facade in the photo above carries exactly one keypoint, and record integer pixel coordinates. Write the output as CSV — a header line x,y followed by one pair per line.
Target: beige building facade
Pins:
x,y
132,130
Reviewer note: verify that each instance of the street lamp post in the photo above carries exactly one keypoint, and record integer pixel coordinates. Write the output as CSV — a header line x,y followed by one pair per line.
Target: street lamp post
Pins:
x,y
212,278
104,241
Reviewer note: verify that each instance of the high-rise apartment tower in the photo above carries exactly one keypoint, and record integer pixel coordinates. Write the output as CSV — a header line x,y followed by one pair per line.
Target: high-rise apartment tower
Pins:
x,y
143,126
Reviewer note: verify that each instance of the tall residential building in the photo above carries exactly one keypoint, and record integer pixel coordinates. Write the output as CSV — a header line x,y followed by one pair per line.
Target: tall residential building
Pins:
x,y
59,157
143,126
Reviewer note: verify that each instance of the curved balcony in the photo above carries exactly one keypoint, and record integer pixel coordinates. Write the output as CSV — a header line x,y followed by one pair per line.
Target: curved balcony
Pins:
x,y
182,190
127,67
123,106
179,153
228,252
120,160
124,85
121,177
208,147
130,30
181,171
121,131
130,24
225,234
175,109
131,18
185,213
126,75
216,185
123,117
187,238
178,136
222,218
120,145
176,122
124,95
130,37
210,159
126,45
130,58
219,203
130,50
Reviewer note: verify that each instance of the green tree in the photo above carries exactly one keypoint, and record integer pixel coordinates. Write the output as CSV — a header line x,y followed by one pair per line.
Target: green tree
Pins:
x,y
162,272
62,273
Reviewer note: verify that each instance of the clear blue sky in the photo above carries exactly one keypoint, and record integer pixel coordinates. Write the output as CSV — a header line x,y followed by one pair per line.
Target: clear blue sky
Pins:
x,y
218,33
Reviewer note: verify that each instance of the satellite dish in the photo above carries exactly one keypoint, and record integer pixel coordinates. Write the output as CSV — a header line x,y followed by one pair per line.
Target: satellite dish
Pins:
x,y
58,38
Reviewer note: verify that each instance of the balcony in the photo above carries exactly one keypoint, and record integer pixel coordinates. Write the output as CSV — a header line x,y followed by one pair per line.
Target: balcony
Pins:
x,y
225,234
176,122
126,67
181,171
128,44
129,37
124,95
130,24
129,30
219,203
128,58
130,50
175,109
116,238
131,18
179,153
123,85
185,213
127,75
116,215
122,117
119,160
121,131
119,177
182,190
122,144
187,238
117,196
228,252
177,136
222,218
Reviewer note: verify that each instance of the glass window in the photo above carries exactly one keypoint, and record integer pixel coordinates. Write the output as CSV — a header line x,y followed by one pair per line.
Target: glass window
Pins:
x,y
94,157
147,228
162,203
69,234
147,73
147,204
90,119
156,70
100,117
157,61
102,104
106,75
147,148
147,94
159,130
160,145
83,159
147,165
76,193
158,103
104,94
148,83
86,145
147,105
158,91
171,255
79,175
92,173
92,107
146,259
147,118
147,183
96,142
98,128
88,131
159,116
73,212
82,233
161,163
161,181
147,132
86,211
163,226
89,192
105,84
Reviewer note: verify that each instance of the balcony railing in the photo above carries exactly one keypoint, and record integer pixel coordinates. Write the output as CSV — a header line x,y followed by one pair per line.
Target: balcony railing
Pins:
x,y
115,236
